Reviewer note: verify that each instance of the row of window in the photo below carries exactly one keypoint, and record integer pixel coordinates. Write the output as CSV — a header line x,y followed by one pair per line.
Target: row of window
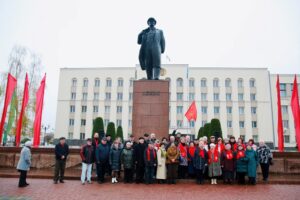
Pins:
x,y
97,82
179,110
179,96
284,90
105,121
96,109
179,82
96,96
216,82
216,96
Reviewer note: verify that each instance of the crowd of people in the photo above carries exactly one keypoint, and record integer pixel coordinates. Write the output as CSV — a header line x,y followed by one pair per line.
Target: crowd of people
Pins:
x,y
150,160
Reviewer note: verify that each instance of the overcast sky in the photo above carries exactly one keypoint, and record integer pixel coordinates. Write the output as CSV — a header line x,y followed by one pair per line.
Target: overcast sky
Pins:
x,y
225,33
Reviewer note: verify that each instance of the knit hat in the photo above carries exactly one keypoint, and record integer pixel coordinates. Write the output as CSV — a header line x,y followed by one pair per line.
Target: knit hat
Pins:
x,y
227,146
28,144
212,145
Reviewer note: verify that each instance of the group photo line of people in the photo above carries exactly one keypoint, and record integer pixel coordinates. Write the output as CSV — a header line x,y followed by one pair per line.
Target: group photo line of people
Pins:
x,y
150,160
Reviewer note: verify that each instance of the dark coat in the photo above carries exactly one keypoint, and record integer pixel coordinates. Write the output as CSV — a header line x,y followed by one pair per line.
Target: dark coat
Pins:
x,y
227,164
252,162
87,154
102,153
127,158
139,154
153,158
199,162
242,164
61,151
115,158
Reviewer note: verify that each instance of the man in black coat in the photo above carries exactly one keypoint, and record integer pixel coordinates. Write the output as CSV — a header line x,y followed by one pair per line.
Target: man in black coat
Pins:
x,y
139,160
102,159
61,154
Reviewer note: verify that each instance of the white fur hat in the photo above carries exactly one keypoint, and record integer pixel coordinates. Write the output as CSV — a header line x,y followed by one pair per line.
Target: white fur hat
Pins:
x,y
28,143
212,145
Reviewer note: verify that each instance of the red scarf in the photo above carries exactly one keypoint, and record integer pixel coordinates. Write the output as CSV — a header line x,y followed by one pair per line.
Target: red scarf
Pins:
x,y
222,147
183,150
201,153
240,154
192,151
96,141
229,155
148,154
215,158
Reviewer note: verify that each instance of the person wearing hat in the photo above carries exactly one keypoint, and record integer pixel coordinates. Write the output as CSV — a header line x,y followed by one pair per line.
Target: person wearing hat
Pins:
x,y
139,160
102,159
127,160
214,165
200,162
150,158
61,154
212,140
252,158
228,164
87,155
152,43
24,163
241,164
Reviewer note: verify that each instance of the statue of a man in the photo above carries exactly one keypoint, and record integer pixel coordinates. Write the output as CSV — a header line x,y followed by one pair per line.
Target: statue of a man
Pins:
x,y
152,43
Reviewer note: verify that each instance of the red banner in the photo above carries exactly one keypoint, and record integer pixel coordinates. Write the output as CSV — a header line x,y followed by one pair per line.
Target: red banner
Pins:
x,y
279,118
10,87
38,113
296,111
191,113
24,104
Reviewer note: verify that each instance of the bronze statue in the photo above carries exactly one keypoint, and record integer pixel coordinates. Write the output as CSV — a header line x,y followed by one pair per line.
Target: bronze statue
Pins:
x,y
152,43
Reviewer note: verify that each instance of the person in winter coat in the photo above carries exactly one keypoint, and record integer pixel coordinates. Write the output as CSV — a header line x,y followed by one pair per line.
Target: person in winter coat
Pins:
x,y
214,164
61,154
252,164
87,156
115,160
127,160
264,158
161,170
241,164
233,143
183,159
191,154
200,162
139,160
24,163
220,145
228,164
102,159
150,158
172,163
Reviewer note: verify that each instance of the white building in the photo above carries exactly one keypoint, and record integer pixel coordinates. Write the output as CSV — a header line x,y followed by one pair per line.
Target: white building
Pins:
x,y
244,99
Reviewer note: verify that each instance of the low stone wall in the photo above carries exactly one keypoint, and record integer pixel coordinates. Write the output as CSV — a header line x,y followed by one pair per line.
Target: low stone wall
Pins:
x,y
43,158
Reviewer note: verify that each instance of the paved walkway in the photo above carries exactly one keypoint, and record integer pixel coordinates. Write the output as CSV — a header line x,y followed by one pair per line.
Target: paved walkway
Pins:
x,y
44,189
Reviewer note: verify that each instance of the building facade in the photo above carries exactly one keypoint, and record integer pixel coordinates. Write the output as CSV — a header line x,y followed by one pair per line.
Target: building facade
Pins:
x,y
243,99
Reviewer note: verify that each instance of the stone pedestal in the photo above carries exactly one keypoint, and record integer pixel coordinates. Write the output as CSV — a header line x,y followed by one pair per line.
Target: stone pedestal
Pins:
x,y
150,108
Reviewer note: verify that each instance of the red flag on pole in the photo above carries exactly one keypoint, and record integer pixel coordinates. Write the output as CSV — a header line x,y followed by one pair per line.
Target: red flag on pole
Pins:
x,y
191,113
10,87
24,104
279,118
38,113
296,111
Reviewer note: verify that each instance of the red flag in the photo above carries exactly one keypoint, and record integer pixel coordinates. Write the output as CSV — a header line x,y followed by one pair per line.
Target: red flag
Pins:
x,y
191,113
10,87
24,104
279,118
296,111
38,113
